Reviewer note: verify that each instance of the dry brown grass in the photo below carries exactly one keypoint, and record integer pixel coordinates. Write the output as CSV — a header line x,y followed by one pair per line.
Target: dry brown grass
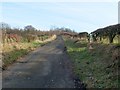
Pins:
x,y
12,51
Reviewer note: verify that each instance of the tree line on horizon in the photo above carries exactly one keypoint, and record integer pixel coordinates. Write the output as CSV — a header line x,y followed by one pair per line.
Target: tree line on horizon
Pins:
x,y
30,33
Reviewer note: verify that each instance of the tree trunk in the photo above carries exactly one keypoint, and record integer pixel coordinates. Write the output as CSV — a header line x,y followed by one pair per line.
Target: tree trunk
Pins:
x,y
94,38
111,37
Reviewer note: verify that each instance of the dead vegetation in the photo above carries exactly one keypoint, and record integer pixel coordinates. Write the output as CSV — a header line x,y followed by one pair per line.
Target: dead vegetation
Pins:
x,y
13,51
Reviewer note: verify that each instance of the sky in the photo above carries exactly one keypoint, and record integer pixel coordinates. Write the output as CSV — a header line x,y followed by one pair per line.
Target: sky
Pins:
x,y
119,12
78,16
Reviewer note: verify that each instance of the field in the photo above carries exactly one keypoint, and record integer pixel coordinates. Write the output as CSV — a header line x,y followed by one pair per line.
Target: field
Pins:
x,y
96,67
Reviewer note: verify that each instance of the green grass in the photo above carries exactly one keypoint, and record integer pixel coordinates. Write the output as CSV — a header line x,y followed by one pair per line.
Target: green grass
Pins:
x,y
13,56
36,44
94,67
15,53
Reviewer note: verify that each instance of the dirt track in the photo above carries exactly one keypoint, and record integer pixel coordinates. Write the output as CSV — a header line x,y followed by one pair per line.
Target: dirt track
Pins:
x,y
47,67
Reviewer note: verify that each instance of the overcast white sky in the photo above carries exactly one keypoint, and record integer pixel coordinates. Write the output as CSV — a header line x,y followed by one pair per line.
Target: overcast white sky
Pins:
x,y
80,16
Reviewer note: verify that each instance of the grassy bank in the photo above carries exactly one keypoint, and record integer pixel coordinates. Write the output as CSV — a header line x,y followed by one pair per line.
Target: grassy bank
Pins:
x,y
13,51
98,68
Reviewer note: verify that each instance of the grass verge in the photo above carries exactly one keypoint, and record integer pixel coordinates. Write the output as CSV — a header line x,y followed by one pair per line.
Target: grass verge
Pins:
x,y
13,51
98,68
